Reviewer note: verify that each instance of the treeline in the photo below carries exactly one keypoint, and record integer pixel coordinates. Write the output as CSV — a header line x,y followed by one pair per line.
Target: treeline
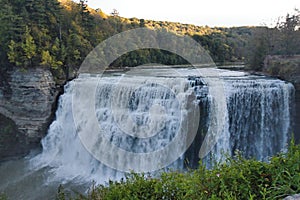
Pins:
x,y
59,35
223,44
281,40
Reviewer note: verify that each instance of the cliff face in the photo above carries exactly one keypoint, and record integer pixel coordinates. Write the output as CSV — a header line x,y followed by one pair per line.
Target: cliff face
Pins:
x,y
27,99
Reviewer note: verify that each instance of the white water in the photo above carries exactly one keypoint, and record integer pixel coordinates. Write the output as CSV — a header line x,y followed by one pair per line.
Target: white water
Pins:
x,y
139,116
143,115
259,115
248,113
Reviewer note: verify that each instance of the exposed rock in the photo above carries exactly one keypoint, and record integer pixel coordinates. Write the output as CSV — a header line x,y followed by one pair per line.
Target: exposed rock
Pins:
x,y
294,197
27,99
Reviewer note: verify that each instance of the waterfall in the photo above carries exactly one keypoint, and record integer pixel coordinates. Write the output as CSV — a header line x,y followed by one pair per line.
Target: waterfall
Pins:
x,y
144,122
63,152
259,115
147,123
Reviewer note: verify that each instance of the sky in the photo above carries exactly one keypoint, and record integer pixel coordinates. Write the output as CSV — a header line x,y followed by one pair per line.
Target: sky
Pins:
x,y
199,12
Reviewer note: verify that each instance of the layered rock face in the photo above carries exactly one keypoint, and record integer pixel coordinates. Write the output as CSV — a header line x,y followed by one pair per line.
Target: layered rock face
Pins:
x,y
27,99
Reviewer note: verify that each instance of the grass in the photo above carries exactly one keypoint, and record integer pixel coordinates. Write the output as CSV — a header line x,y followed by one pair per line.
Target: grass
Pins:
x,y
237,178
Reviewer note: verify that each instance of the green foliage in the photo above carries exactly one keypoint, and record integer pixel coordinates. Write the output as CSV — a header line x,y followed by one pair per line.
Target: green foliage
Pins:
x,y
290,34
60,193
22,53
219,46
146,56
28,46
237,178
283,39
12,53
3,196
36,33
60,35
259,47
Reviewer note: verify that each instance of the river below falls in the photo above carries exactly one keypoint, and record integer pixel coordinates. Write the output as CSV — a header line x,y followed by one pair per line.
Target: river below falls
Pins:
x,y
20,181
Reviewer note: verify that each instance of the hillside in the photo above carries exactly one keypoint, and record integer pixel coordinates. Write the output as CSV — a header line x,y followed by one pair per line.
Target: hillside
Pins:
x,y
59,35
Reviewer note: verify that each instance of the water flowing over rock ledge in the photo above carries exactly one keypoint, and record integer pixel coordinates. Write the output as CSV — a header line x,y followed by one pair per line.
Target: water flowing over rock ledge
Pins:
x,y
287,68
238,111
27,101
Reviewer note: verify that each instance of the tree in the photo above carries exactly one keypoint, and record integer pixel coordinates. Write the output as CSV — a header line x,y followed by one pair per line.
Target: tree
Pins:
x,y
289,30
259,48
11,28
12,54
22,53
115,13
283,39
36,10
53,58
28,46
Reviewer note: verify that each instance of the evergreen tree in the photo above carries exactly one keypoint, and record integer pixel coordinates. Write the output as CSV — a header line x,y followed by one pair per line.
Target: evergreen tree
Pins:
x,y
29,48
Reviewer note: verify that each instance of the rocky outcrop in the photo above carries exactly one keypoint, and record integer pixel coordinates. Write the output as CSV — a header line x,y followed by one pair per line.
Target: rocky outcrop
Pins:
x,y
27,99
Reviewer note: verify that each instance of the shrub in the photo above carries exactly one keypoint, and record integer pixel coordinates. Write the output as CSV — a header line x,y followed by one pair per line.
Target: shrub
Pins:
x,y
237,178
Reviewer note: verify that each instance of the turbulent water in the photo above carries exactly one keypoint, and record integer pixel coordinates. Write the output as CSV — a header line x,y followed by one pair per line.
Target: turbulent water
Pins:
x,y
148,119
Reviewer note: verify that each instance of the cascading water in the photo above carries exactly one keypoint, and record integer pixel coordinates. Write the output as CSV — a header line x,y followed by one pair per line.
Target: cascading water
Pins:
x,y
259,112
155,112
258,119
255,120
137,115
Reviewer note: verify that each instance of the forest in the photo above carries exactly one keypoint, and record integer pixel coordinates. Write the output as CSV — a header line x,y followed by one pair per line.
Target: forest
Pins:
x,y
59,34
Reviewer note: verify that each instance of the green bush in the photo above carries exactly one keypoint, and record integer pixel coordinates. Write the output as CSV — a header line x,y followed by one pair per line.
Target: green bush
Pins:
x,y
237,178
3,196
